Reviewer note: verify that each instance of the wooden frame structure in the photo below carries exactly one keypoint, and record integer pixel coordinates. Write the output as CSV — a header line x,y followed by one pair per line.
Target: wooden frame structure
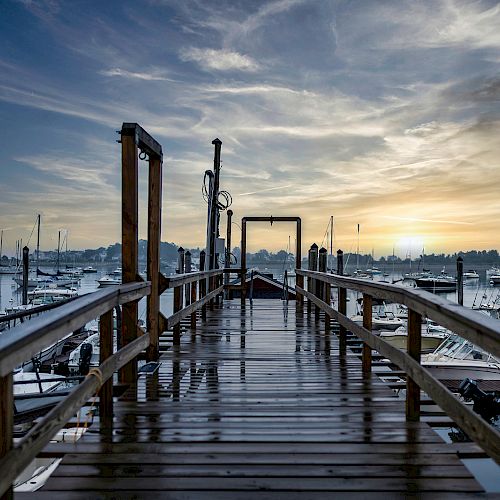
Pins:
x,y
298,249
471,325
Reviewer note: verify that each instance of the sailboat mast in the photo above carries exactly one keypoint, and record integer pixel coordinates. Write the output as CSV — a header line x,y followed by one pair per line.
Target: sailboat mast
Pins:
x,y
38,244
331,241
1,246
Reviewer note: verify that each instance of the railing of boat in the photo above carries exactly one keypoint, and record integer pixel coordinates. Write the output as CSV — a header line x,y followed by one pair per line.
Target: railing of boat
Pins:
x,y
471,325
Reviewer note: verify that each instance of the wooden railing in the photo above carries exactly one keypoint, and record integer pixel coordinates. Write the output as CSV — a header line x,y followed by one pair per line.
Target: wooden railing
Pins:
x,y
471,325
26,340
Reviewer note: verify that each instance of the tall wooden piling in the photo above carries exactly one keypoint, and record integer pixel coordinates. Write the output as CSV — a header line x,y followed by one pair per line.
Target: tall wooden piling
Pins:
x,y
203,284
187,286
227,292
367,323
460,281
342,303
324,288
312,266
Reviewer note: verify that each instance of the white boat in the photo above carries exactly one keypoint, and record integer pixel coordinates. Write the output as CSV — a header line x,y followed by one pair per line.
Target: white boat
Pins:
x,y
74,357
399,337
53,293
42,281
72,271
35,383
89,270
495,279
471,274
109,281
457,358
116,272
381,320
9,270
492,271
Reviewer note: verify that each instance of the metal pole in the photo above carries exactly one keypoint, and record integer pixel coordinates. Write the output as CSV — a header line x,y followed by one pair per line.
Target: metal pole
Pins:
x,y
243,259
214,213
227,293
26,264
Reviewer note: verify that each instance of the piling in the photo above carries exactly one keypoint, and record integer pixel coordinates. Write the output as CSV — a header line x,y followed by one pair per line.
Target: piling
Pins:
x,y
227,292
312,266
26,264
342,306
324,288
203,284
187,269
460,281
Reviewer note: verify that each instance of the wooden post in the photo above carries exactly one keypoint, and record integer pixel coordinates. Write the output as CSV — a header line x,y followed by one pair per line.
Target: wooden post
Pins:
x,y
130,221
299,280
460,281
153,262
193,299
203,284
324,288
243,260
320,286
313,266
342,306
26,265
187,269
227,292
413,347
105,351
6,422
367,323
177,307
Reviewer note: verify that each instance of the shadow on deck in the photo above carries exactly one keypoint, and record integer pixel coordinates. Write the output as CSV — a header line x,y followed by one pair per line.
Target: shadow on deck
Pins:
x,y
259,404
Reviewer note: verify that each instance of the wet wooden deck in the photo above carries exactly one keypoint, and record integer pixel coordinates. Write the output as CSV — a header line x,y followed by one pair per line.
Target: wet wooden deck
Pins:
x,y
260,405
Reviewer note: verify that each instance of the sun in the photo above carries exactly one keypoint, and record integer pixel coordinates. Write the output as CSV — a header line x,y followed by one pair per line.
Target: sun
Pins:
x,y
410,245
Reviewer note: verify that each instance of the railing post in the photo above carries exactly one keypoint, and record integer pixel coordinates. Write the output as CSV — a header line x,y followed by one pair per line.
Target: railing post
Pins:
x,y
187,286
460,281
130,245
413,348
312,258
324,288
367,323
299,280
105,351
6,422
227,292
153,261
193,299
342,303
177,307
203,285
243,259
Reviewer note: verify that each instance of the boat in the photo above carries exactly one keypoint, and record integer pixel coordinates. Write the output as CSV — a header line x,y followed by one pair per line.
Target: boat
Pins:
x,y
72,271
46,281
440,283
457,359
471,274
89,270
35,383
492,271
399,338
75,357
495,279
52,293
9,270
109,281
116,272
382,320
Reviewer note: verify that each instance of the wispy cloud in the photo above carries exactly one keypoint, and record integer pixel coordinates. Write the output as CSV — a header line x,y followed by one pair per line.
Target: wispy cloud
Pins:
x,y
219,60
433,221
153,76
265,190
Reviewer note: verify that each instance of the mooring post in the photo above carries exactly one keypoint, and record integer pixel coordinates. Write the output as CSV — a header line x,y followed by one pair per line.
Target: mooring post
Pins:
x,y
193,300
26,265
153,252
413,347
187,269
342,303
460,280
312,266
299,280
367,323
243,259
203,284
227,292
319,288
324,288
130,245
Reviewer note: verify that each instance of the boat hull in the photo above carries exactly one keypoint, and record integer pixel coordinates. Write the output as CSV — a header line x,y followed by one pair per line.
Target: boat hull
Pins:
x,y
446,370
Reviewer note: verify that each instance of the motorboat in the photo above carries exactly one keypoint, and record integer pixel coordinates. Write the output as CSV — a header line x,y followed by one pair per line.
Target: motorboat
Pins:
x,y
381,320
373,271
471,274
492,271
53,294
109,281
495,279
35,383
71,271
399,338
457,358
9,270
75,358
89,270
116,272
435,284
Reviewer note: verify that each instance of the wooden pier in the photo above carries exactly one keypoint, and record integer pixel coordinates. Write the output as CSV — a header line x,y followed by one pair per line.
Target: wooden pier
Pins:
x,y
259,399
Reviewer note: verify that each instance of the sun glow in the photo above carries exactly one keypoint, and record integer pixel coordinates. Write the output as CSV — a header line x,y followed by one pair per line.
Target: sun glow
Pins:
x,y
410,245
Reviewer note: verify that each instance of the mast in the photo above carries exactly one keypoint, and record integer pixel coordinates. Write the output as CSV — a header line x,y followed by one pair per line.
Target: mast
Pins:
x,y
1,246
331,241
393,261
38,245
58,248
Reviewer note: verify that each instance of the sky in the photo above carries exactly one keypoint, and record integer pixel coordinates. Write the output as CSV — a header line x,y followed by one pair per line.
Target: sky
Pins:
x,y
379,113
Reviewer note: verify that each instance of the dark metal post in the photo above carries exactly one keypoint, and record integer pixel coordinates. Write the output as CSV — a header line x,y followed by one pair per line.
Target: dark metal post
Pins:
x,y
214,214
460,280
203,284
342,303
26,264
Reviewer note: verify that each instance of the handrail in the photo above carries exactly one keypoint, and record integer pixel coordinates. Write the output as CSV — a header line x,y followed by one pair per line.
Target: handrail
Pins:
x,y
26,340
418,302
185,278
471,325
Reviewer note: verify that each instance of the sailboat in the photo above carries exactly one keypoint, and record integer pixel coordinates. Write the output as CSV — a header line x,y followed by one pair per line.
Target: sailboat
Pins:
x,y
5,269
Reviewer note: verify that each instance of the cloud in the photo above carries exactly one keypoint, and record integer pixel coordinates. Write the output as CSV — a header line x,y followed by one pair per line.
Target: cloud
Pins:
x,y
219,60
265,190
154,76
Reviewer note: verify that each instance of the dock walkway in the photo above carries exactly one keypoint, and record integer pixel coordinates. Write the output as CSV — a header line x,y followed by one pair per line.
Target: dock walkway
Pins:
x,y
257,403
